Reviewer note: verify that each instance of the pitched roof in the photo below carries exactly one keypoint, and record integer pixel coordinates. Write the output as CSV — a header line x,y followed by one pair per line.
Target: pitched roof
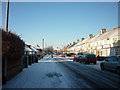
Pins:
x,y
107,34
27,49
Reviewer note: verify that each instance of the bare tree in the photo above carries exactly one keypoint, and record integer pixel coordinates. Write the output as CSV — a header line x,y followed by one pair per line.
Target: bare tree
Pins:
x,y
49,49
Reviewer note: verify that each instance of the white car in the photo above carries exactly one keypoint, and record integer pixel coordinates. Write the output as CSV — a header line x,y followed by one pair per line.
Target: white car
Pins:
x,y
111,63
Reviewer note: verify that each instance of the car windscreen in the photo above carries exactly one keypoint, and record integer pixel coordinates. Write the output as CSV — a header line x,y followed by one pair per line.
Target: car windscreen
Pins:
x,y
91,56
119,57
80,56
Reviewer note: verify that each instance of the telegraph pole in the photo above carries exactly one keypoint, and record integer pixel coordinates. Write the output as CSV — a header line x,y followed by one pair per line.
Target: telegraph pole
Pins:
x,y
7,15
4,61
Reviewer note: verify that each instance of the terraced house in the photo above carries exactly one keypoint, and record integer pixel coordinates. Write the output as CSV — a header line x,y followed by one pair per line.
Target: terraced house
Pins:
x,y
106,43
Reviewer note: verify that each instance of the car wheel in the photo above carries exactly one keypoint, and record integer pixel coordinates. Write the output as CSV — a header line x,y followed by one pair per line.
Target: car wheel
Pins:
x,y
102,67
77,60
118,70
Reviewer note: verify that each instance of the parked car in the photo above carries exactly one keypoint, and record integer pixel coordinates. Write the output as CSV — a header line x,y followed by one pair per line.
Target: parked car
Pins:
x,y
88,58
101,58
111,63
62,55
71,54
77,58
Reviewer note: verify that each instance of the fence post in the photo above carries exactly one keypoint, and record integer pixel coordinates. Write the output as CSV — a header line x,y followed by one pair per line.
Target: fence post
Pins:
x,y
4,71
26,61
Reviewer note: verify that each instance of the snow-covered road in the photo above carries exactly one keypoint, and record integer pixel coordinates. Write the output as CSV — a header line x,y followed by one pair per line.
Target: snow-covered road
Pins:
x,y
60,72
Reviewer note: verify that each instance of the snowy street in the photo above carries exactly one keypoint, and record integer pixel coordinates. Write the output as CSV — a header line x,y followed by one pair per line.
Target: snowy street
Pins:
x,y
59,72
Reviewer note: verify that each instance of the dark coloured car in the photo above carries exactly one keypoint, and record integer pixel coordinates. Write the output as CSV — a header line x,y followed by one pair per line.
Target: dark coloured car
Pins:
x,y
71,54
88,58
111,63
77,58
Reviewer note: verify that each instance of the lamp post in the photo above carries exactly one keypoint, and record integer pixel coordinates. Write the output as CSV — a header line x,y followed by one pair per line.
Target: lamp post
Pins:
x,y
7,15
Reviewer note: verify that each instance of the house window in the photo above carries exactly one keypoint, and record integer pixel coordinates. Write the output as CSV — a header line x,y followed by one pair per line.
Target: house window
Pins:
x,y
88,45
101,53
114,40
116,52
97,43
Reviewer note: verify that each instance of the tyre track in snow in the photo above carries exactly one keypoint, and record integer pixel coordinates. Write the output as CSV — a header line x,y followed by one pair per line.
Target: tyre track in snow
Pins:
x,y
113,77
93,78
71,77
108,75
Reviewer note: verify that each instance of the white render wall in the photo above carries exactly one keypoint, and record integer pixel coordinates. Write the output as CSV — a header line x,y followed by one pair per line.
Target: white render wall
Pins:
x,y
103,44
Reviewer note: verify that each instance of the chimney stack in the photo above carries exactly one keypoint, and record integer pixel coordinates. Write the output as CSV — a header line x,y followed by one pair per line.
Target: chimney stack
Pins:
x,y
102,31
82,39
90,36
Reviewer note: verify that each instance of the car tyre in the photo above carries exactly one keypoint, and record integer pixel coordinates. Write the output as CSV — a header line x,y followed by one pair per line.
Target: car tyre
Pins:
x,y
79,61
102,67
118,70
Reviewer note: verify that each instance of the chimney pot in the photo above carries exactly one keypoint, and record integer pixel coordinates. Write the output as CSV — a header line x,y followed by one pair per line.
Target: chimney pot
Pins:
x,y
102,31
82,39
90,36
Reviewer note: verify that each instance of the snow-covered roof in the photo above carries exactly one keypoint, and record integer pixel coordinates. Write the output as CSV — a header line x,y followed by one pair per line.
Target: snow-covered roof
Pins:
x,y
33,49
107,34
37,47
94,38
27,49
80,42
86,40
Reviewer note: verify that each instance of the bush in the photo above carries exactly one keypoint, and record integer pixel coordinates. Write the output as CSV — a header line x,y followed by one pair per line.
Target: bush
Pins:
x,y
12,45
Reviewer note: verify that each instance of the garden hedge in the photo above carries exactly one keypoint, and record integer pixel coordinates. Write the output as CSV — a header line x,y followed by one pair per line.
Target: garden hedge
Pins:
x,y
12,45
